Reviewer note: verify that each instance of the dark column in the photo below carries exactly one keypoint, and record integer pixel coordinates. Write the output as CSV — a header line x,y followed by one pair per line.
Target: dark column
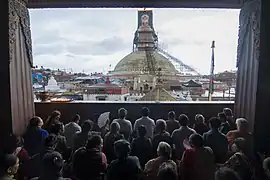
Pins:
x,y
262,119
5,102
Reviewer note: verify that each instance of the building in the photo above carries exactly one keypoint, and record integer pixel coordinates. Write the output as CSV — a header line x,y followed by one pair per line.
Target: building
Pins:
x,y
106,91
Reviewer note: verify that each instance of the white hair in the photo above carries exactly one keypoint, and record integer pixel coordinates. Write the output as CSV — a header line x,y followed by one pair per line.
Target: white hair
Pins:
x,y
241,123
164,149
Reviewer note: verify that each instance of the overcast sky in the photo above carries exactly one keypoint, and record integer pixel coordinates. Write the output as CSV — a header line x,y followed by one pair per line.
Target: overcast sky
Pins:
x,y
90,40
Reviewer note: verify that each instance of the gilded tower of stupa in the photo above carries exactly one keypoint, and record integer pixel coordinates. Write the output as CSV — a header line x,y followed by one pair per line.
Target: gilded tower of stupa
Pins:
x,y
141,65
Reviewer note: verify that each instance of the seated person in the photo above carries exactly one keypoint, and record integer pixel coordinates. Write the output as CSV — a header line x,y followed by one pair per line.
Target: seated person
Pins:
x,y
52,165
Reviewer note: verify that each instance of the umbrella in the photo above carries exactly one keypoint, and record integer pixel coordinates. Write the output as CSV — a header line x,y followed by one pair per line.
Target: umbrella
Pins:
x,y
103,119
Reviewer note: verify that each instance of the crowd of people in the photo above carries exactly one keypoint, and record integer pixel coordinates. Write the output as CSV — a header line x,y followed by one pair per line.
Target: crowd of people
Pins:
x,y
219,148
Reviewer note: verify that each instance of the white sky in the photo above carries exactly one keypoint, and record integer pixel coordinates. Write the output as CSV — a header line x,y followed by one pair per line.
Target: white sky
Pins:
x,y
90,40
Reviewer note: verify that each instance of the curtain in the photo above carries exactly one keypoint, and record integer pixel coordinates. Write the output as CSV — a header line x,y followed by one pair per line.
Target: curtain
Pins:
x,y
22,102
248,60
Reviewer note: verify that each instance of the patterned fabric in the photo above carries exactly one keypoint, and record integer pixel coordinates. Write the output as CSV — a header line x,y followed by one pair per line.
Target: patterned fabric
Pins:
x,y
240,164
198,164
152,167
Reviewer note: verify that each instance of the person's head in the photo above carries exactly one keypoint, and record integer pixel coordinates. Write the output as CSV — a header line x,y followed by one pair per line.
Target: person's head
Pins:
x,y
9,164
40,122
122,113
266,167
242,124
222,117
52,164
14,143
95,142
57,128
160,126
145,111
51,141
226,174
115,127
56,115
239,145
122,148
183,120
196,141
34,122
228,112
171,115
164,150
76,118
142,131
167,171
199,118
214,123
87,126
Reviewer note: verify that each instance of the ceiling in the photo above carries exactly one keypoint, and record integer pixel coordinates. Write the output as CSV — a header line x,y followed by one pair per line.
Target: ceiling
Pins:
x,y
135,3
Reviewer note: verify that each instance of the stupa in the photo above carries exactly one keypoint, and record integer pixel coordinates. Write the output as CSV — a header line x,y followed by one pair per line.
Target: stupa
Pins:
x,y
140,66
52,85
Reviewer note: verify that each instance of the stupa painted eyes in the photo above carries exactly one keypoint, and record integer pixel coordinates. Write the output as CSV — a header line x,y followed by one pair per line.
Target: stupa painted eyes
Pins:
x,y
145,19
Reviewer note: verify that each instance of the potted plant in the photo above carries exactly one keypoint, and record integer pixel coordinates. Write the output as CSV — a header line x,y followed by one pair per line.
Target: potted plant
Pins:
x,y
43,96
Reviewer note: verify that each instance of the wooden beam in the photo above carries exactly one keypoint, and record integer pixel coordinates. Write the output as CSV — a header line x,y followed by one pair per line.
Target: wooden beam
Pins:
x,y
135,4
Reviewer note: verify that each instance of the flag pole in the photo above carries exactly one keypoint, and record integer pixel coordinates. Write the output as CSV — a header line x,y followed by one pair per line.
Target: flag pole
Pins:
x,y
211,83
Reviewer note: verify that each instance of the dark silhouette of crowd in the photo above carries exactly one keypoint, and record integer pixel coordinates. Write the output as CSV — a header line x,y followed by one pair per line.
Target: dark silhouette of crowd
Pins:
x,y
219,148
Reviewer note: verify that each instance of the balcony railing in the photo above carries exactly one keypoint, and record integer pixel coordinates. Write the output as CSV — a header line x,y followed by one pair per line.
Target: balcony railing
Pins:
x,y
92,110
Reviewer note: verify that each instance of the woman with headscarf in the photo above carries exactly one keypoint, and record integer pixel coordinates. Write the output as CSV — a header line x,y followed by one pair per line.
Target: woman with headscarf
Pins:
x,y
125,166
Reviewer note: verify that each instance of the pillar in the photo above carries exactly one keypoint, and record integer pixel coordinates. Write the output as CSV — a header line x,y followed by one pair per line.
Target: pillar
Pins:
x,y
262,106
5,102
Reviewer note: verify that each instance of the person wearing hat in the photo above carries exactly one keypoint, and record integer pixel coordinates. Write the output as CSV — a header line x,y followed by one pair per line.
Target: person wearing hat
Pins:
x,y
125,166
9,166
